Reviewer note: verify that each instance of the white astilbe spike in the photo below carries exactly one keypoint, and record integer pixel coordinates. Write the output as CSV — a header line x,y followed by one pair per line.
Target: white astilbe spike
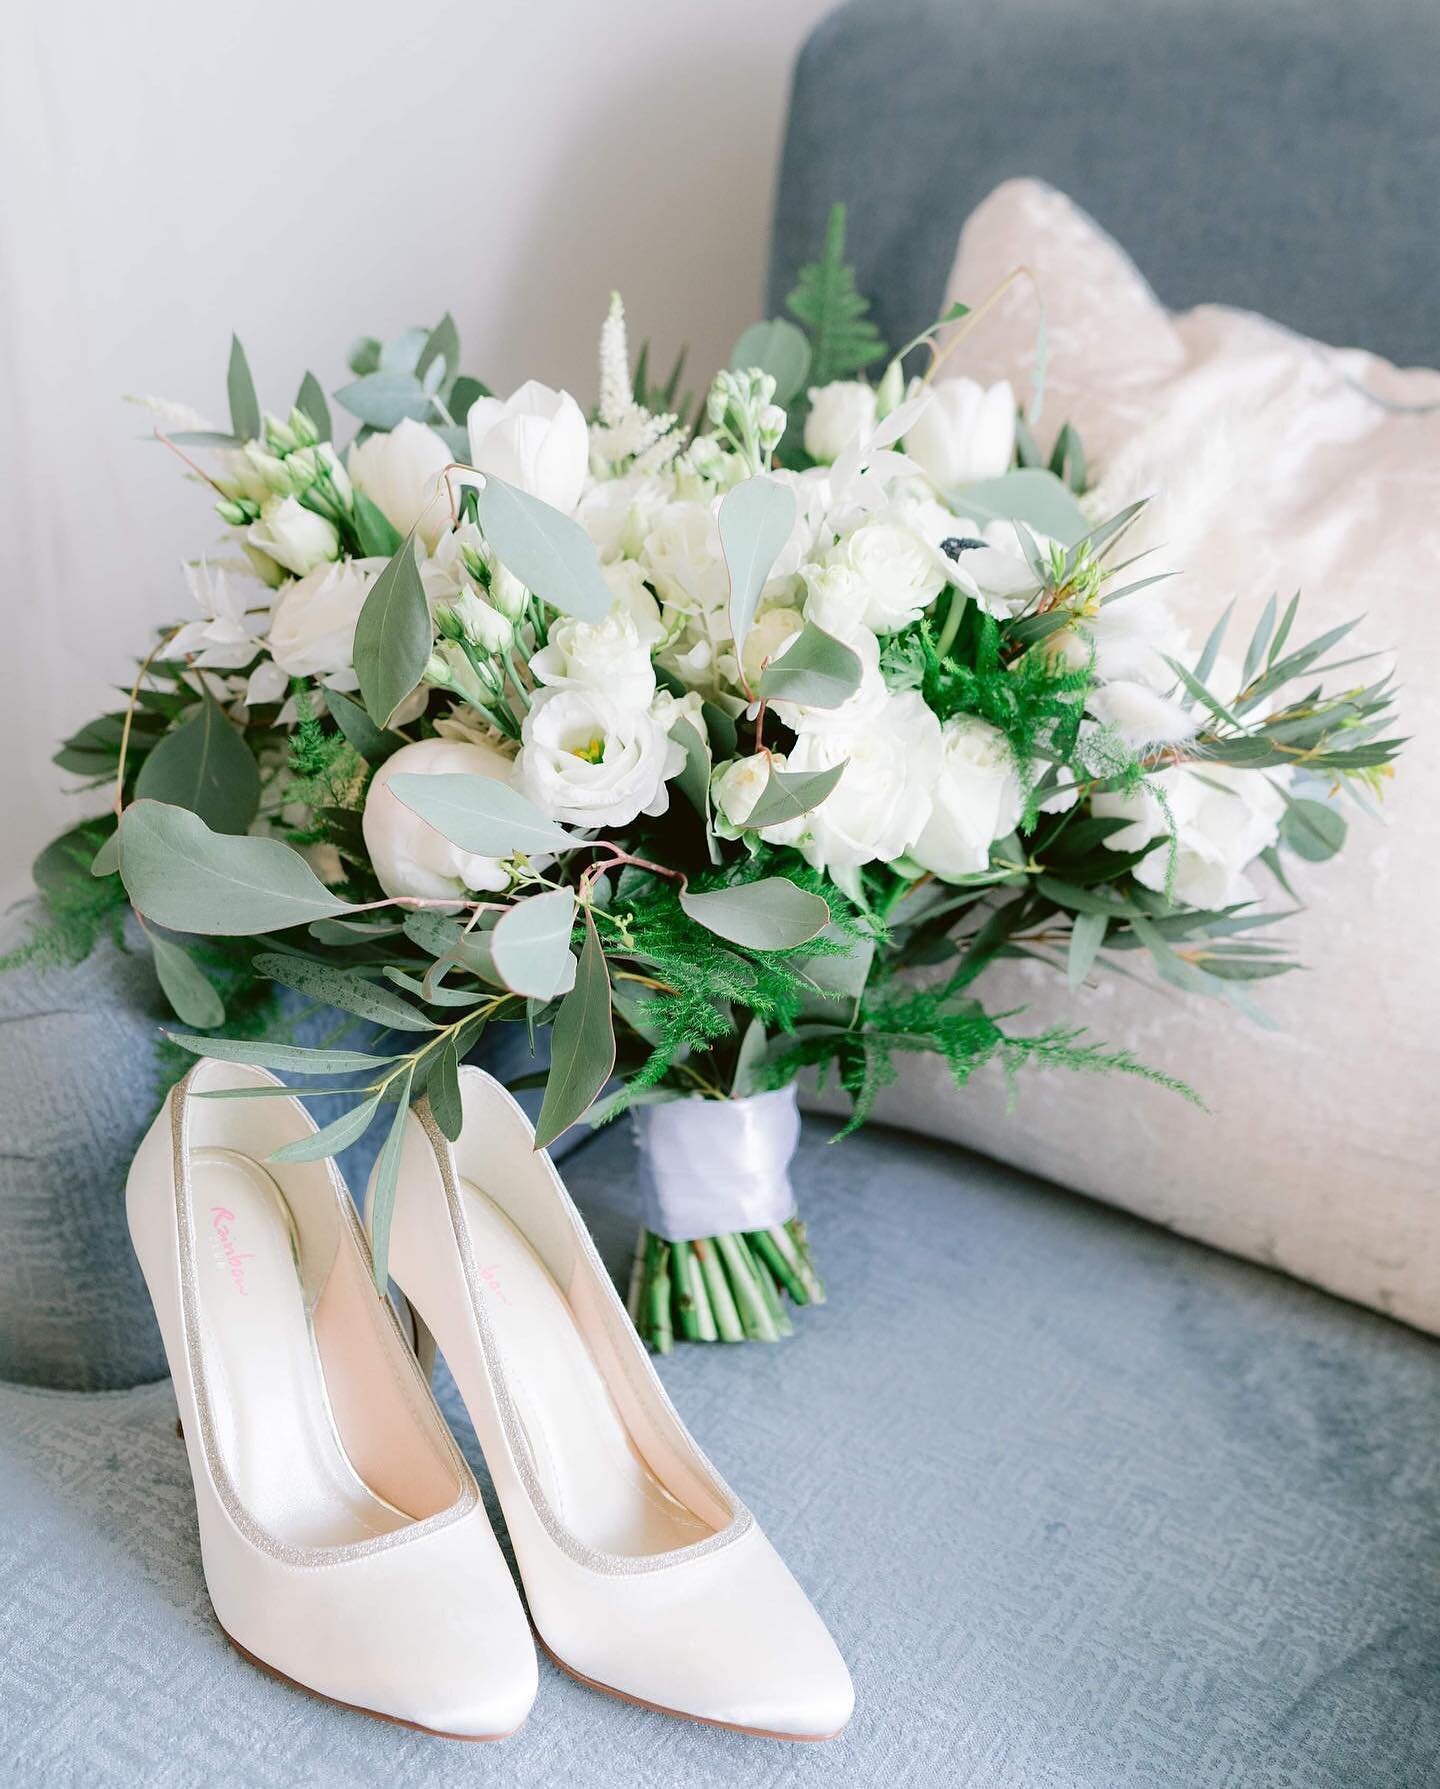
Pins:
x,y
616,396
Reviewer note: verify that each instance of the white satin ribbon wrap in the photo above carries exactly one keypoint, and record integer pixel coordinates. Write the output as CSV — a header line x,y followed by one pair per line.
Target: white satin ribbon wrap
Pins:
x,y
708,1166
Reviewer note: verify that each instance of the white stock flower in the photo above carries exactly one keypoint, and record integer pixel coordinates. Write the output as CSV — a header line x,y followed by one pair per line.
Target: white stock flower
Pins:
x,y
293,536
977,797
738,785
606,656
883,575
966,432
402,473
587,761
882,803
1223,819
535,439
408,855
838,413
312,632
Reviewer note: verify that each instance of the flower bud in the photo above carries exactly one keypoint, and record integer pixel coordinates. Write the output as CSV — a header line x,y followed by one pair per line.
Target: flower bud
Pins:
x,y
279,437
890,390
301,427
771,425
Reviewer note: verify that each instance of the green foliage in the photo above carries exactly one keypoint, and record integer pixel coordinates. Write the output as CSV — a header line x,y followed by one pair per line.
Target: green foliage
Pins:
x,y
325,770
76,910
843,339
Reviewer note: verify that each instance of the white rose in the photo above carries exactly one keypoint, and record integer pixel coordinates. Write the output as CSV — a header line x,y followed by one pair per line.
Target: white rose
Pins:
x,y
587,761
606,656
838,413
977,797
408,855
684,560
883,572
293,536
964,433
1223,819
402,474
737,786
882,803
312,632
536,440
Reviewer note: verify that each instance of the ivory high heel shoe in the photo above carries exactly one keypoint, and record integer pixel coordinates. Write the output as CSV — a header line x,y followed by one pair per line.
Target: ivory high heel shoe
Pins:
x,y
344,1542
644,1573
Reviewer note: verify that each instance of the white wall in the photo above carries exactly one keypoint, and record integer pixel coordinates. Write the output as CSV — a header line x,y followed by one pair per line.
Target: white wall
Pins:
x,y
305,173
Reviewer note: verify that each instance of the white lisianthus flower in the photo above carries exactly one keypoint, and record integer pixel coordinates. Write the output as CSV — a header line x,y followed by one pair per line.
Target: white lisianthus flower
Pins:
x,y
606,656
1223,820
883,573
408,855
882,803
535,439
769,635
481,625
839,412
312,631
293,536
736,787
402,473
587,761
966,432
977,797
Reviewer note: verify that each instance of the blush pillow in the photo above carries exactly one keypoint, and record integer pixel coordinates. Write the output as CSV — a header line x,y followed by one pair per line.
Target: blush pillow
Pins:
x,y
1282,465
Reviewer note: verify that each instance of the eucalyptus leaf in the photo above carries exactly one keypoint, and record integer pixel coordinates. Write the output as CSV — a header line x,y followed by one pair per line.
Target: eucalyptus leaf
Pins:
x,y
1087,934
1312,830
257,1053
548,552
442,347
582,1047
771,914
244,405
443,1091
779,348
479,814
206,766
1037,498
385,399
374,744
756,518
387,1178
310,400
339,988
192,997
531,945
816,670
402,355
694,778
378,535
106,860
348,1128
790,794
749,1061
393,636
189,879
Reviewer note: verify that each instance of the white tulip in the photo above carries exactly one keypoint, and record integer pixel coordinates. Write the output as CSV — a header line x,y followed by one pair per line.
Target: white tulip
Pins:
x,y
964,433
536,440
408,855
293,536
587,761
839,412
977,797
312,632
402,473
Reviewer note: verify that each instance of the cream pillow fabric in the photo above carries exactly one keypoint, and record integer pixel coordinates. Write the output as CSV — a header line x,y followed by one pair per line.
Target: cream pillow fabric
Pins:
x,y
1284,465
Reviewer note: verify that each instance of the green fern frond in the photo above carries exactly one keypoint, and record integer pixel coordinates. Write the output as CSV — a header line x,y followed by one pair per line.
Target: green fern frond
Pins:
x,y
843,339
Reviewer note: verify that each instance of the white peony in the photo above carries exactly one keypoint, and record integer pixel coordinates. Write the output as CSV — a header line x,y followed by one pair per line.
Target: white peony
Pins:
x,y
536,440
977,797
408,855
738,785
312,632
402,473
293,536
1223,819
964,433
882,803
883,575
606,656
839,412
588,761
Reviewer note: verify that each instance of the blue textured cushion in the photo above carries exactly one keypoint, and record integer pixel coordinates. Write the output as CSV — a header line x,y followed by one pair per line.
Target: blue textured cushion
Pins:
x,y
1281,156
1086,1506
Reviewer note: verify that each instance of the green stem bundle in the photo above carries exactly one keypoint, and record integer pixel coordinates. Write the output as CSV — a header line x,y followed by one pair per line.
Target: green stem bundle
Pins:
x,y
729,1288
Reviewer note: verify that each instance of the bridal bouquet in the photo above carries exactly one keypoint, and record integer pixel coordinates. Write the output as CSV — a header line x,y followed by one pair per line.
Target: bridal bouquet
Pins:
x,y
723,740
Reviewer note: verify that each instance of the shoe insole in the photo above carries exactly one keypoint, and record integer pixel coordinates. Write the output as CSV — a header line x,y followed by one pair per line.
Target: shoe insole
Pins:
x,y
593,1475
274,1425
